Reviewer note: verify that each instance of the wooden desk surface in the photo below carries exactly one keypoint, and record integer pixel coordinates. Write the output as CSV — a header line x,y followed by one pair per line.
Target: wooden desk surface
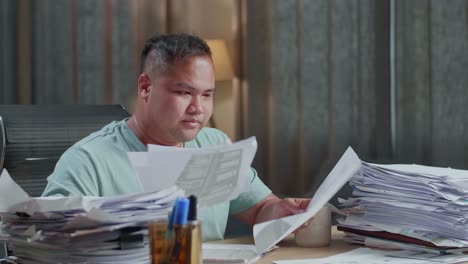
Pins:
x,y
289,250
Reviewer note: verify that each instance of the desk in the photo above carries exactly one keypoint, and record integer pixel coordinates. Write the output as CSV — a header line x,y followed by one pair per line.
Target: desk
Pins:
x,y
289,250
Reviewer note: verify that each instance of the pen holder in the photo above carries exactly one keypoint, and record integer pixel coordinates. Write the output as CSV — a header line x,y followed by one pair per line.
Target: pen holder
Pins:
x,y
157,232
178,244
195,249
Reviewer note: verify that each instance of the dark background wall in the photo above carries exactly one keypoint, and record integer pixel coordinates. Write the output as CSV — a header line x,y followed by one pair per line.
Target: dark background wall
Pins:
x,y
388,78
87,52
68,51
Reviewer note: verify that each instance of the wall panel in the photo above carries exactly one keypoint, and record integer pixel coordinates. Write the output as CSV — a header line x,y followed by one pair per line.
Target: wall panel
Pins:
x,y
258,75
413,86
51,48
343,90
449,82
124,71
89,51
8,9
314,83
431,82
284,102
367,67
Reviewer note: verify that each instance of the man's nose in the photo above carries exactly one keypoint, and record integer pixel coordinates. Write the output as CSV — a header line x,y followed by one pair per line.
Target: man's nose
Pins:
x,y
196,106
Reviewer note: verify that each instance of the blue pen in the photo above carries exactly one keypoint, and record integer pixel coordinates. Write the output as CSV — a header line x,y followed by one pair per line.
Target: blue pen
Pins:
x,y
171,220
181,230
170,226
181,213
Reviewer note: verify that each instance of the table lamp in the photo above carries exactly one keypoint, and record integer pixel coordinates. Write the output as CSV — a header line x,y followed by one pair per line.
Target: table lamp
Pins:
x,y
222,64
221,60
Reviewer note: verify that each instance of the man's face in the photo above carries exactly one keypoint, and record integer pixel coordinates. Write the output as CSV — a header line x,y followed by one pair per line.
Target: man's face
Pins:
x,y
180,101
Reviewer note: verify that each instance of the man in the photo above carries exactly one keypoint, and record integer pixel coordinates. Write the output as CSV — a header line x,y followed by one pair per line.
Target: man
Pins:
x,y
175,101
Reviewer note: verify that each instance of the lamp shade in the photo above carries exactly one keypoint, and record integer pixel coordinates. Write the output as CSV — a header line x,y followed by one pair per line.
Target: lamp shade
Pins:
x,y
221,60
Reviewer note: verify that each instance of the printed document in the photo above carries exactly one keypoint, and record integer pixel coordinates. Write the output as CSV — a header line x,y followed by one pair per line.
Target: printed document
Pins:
x,y
366,255
269,233
213,174
229,253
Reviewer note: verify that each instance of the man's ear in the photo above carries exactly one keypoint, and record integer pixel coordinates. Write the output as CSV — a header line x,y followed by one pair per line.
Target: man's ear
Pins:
x,y
144,86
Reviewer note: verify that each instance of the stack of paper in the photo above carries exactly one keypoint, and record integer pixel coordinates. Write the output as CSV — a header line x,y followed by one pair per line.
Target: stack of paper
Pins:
x,y
80,229
409,203
366,255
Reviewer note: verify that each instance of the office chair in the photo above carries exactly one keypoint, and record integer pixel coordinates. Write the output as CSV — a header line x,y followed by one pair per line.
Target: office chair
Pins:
x,y
33,137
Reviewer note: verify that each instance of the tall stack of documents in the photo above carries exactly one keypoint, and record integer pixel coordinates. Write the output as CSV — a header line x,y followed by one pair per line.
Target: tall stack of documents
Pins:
x,y
411,204
80,229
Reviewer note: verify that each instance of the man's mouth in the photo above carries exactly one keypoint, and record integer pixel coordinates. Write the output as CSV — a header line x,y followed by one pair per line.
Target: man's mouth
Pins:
x,y
191,122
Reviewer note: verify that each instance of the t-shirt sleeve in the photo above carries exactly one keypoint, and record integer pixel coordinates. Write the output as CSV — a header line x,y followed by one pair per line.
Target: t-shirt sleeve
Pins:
x,y
74,173
258,191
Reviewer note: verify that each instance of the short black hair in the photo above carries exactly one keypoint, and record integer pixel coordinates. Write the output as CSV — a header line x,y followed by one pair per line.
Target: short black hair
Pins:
x,y
164,50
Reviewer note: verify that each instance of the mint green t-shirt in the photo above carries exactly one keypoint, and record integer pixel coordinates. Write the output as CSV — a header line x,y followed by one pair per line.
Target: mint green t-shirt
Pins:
x,y
98,166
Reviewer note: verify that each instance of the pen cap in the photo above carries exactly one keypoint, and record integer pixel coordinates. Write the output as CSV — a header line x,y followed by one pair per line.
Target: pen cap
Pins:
x,y
181,213
192,216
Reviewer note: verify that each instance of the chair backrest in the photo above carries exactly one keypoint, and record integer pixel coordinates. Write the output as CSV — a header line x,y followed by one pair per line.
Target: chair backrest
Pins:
x,y
33,137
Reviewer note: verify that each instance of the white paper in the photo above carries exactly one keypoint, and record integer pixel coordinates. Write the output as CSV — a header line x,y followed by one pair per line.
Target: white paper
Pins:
x,y
214,174
269,233
381,243
427,203
10,192
370,256
79,229
79,236
229,253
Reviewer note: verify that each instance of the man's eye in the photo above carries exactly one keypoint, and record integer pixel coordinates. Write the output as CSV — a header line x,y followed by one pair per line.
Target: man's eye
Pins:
x,y
183,92
207,95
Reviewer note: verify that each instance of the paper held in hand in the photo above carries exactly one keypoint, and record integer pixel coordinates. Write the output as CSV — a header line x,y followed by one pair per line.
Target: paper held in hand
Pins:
x,y
213,174
269,233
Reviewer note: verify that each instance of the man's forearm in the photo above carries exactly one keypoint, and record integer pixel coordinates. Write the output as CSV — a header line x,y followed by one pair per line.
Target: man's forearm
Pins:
x,y
271,208
252,215
268,210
